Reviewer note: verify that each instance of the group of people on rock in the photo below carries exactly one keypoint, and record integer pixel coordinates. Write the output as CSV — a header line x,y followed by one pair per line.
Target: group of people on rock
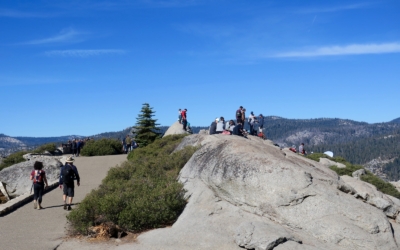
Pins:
x,y
302,150
219,126
182,118
129,144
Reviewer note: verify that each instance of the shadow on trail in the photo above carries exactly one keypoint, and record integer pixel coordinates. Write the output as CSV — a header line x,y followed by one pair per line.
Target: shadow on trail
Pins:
x,y
62,205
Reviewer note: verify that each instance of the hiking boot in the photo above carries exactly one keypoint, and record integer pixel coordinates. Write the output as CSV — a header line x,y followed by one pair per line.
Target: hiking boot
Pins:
x,y
69,208
34,205
39,207
65,206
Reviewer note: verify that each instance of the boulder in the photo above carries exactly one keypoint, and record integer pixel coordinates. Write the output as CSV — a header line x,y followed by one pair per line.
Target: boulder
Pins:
x,y
396,184
248,193
175,129
262,236
16,177
328,163
301,197
368,193
3,194
358,173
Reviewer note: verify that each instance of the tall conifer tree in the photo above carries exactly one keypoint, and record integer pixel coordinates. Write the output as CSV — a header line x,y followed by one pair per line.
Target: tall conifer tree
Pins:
x,y
146,127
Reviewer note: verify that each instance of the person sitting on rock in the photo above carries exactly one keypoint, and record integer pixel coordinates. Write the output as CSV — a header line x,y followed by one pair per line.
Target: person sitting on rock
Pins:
x,y
220,125
302,150
213,127
238,130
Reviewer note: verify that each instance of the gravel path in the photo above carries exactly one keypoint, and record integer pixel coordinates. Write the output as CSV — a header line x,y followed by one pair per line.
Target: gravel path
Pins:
x,y
26,228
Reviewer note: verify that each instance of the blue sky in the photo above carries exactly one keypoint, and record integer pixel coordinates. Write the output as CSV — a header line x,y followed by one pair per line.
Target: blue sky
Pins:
x,y
86,67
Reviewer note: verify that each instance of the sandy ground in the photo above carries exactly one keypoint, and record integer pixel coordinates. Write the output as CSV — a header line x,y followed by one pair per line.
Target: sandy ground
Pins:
x,y
26,228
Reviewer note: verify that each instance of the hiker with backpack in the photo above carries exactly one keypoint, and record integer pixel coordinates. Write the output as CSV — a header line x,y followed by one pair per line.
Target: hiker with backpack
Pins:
x,y
38,176
68,174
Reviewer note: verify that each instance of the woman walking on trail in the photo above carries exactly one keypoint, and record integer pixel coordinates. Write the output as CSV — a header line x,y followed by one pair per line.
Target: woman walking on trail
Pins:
x,y
38,176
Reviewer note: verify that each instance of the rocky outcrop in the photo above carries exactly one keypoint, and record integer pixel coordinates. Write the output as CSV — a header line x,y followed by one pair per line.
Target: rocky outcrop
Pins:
x,y
16,177
396,184
247,193
175,129
328,163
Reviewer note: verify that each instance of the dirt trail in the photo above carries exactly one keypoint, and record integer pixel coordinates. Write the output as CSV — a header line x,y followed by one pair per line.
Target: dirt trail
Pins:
x,y
30,229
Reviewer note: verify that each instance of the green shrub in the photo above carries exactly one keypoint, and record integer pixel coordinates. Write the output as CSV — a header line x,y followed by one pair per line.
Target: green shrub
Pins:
x,y
50,147
381,185
348,170
316,156
13,159
142,193
102,147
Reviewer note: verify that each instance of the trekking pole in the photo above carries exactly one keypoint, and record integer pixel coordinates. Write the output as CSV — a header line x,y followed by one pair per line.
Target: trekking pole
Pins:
x,y
31,188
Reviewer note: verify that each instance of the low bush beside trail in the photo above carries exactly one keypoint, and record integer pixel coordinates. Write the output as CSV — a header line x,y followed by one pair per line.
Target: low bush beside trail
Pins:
x,y
143,193
13,159
381,185
50,147
102,147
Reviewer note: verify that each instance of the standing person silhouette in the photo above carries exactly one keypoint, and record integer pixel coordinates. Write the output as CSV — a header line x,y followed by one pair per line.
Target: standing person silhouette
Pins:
x,y
38,176
69,173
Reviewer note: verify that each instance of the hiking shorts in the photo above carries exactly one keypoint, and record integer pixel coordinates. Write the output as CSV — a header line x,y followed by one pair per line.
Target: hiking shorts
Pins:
x,y
68,190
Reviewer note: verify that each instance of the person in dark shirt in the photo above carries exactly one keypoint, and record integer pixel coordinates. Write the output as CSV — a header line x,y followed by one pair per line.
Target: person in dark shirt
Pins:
x,y
67,182
213,127
238,129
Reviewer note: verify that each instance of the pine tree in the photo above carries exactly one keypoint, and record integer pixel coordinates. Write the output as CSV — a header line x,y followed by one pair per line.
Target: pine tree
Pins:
x,y
146,127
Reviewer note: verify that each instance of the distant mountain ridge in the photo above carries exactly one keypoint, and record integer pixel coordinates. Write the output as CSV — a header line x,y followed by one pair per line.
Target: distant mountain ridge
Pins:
x,y
396,120
375,146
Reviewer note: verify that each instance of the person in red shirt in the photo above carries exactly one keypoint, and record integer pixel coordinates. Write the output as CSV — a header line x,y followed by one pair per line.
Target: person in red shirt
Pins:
x,y
184,119
38,176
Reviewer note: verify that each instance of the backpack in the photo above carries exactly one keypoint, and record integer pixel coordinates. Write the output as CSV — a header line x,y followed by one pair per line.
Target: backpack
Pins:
x,y
67,174
238,113
38,177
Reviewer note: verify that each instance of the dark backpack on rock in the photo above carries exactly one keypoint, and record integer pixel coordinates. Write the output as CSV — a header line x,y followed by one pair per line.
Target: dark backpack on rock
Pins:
x,y
67,174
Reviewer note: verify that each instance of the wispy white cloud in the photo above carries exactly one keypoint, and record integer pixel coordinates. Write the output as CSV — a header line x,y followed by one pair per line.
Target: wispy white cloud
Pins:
x,y
334,8
84,52
65,36
354,49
